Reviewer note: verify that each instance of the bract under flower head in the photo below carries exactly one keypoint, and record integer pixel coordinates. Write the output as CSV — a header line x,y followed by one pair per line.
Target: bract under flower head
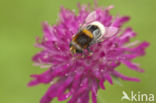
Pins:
x,y
75,76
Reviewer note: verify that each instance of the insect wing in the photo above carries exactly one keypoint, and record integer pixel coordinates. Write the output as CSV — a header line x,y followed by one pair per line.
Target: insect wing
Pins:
x,y
110,31
90,18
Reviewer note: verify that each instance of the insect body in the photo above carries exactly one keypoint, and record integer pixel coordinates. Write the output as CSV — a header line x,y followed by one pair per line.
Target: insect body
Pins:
x,y
86,36
91,32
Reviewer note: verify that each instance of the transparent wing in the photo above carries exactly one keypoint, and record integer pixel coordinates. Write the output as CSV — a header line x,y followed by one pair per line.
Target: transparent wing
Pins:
x,y
90,18
109,32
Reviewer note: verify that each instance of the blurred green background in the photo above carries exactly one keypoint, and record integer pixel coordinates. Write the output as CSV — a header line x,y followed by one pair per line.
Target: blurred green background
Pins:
x,y
20,23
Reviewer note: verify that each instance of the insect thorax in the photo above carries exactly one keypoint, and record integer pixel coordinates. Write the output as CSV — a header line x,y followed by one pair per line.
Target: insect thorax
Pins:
x,y
94,30
85,37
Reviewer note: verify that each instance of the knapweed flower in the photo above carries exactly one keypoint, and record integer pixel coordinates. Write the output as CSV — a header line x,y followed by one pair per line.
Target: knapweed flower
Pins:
x,y
74,76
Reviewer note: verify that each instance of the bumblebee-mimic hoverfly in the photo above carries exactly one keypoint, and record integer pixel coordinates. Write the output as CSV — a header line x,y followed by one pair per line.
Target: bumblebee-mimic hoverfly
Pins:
x,y
91,32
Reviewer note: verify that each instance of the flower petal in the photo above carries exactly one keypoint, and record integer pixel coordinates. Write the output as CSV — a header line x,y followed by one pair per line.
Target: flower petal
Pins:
x,y
120,21
132,66
117,74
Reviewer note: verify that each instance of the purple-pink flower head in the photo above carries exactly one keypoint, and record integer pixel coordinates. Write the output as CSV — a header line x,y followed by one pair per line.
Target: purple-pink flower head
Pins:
x,y
75,76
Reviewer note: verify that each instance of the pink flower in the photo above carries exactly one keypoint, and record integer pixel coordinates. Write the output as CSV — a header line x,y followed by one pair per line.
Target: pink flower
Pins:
x,y
75,76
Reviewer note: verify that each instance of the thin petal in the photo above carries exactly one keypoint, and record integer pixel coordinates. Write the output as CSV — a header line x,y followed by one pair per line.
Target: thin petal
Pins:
x,y
94,91
132,66
51,93
48,32
120,21
117,74
45,77
84,98
101,84
108,78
